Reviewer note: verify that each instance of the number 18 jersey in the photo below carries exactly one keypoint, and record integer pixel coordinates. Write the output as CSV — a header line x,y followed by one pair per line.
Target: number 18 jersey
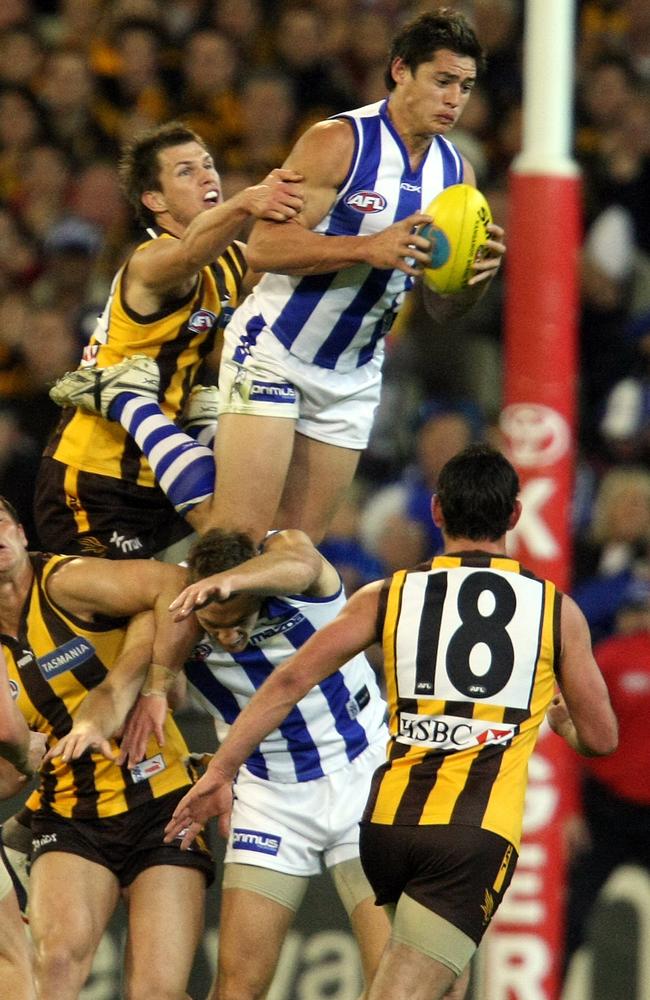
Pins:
x,y
471,643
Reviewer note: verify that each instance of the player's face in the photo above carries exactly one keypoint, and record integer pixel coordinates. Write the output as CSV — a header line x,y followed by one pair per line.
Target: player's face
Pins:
x,y
434,96
189,182
230,622
12,542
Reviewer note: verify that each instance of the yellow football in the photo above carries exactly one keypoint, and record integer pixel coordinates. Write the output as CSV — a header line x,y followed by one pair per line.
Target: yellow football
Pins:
x,y
458,233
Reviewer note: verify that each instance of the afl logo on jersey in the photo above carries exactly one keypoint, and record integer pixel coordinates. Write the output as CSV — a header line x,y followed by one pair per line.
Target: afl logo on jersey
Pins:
x,y
366,201
202,321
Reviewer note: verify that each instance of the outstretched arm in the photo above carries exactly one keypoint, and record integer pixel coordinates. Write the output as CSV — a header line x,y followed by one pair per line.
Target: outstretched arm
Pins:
x,y
288,563
167,265
353,630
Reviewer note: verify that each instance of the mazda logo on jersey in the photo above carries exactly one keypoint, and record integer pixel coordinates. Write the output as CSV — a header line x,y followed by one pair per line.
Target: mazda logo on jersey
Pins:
x,y
13,687
366,201
66,657
202,321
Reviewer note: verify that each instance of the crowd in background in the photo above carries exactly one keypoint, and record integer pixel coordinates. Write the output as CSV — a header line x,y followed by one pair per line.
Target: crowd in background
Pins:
x,y
78,77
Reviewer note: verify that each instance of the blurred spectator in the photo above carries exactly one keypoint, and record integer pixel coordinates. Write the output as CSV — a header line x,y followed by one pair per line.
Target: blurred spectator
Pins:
x,y
243,22
615,789
19,263
319,87
344,549
602,25
267,124
68,96
366,49
616,552
49,349
19,459
14,314
21,127
67,281
73,23
396,524
21,56
13,12
637,42
97,198
41,194
136,89
498,24
605,88
208,101
181,18
625,425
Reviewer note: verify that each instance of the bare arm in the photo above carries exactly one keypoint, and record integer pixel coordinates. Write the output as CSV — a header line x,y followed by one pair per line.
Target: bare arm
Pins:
x,y
89,587
353,630
583,716
167,266
288,564
322,156
104,709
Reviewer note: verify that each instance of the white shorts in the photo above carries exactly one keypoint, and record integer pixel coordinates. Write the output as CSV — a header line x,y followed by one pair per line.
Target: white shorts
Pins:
x,y
292,827
335,407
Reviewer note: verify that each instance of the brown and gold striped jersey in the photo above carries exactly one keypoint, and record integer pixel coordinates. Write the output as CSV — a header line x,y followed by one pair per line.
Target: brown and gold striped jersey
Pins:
x,y
179,337
53,662
471,644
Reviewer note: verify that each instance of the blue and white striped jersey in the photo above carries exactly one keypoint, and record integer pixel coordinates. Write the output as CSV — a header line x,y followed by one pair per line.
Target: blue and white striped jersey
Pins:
x,y
329,727
338,320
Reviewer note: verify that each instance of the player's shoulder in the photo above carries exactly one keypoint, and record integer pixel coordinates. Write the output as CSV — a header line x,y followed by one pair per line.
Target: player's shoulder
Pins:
x,y
325,145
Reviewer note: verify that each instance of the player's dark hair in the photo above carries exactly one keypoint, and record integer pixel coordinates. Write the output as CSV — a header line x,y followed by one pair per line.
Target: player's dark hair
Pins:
x,y
217,551
477,490
10,509
439,29
139,167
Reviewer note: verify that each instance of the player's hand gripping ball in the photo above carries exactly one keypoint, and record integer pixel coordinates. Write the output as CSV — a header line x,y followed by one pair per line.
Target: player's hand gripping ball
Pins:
x,y
458,234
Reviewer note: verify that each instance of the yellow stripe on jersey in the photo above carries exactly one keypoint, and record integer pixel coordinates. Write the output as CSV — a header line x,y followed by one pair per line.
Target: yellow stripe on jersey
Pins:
x,y
389,637
179,337
54,662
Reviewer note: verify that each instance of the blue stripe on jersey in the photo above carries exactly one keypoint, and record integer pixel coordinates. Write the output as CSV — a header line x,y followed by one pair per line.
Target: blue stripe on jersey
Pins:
x,y
451,173
343,220
254,327
300,305
303,750
226,704
336,694
347,326
382,326
372,289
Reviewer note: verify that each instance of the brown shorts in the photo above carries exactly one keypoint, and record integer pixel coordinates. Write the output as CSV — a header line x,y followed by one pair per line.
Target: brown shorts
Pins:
x,y
102,516
127,844
458,872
